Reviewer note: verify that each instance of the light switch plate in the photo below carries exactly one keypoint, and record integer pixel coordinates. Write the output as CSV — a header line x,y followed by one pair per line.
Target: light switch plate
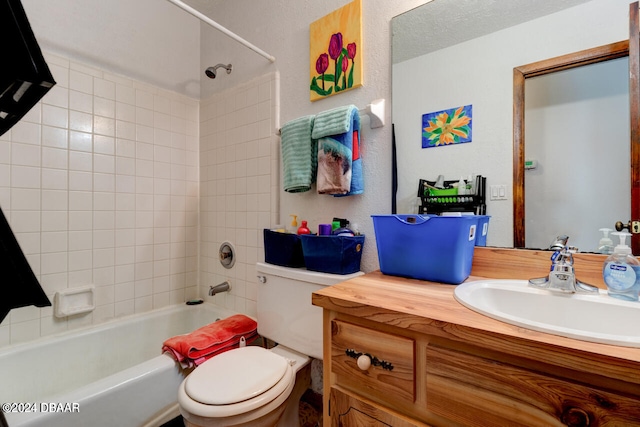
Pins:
x,y
498,192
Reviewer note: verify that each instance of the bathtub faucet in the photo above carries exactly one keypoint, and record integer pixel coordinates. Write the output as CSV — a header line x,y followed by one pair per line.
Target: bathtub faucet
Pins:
x,y
222,287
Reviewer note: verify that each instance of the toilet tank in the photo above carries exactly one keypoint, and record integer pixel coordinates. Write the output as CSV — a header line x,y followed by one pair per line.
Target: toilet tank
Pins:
x,y
284,310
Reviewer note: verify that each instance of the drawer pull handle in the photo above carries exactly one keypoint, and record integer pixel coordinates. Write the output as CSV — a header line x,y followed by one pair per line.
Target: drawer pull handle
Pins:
x,y
365,359
364,362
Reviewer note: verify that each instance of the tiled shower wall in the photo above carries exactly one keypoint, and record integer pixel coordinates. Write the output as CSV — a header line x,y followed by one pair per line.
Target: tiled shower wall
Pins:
x,y
239,185
100,185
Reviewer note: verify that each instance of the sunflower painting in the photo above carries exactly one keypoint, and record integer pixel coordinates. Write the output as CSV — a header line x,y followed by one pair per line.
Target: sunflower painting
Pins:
x,y
446,127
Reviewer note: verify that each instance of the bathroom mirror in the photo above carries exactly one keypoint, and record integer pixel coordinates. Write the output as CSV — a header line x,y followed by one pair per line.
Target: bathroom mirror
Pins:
x,y
451,53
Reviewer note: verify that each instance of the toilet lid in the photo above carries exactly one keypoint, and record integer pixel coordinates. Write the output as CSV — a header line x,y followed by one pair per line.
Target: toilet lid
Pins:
x,y
235,376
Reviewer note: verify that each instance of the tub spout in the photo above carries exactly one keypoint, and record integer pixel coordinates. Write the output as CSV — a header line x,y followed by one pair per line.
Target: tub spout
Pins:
x,y
222,287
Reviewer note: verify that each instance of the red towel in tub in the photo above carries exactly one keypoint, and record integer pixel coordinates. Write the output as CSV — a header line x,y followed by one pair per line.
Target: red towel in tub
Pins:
x,y
194,348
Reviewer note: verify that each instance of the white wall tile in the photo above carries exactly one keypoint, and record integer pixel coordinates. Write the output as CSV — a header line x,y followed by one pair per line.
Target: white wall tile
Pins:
x,y
104,107
81,121
87,183
54,137
81,82
55,179
80,101
80,181
104,144
104,89
55,116
25,177
55,200
55,158
104,126
25,132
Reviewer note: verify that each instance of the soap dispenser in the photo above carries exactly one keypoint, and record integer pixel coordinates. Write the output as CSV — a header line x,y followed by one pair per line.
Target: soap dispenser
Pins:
x,y
605,246
293,228
621,271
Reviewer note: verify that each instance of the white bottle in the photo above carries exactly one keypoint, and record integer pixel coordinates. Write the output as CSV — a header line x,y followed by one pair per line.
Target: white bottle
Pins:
x,y
462,187
621,271
605,245
471,184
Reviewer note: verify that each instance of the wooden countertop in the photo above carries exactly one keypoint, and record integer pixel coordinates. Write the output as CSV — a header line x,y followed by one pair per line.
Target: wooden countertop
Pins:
x,y
420,305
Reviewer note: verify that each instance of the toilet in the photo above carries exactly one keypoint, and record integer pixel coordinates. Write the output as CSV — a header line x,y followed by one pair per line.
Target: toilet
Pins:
x,y
253,386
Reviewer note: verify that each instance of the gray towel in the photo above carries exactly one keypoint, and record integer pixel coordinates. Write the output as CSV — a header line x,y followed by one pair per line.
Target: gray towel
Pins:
x,y
299,155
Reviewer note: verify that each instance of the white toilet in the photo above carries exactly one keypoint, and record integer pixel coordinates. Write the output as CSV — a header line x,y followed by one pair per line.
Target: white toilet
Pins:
x,y
253,386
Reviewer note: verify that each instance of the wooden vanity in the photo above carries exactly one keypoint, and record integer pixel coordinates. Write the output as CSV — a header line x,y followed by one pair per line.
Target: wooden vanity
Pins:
x,y
436,363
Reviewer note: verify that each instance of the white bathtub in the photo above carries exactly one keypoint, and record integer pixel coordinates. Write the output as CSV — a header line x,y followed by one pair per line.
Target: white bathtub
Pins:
x,y
109,375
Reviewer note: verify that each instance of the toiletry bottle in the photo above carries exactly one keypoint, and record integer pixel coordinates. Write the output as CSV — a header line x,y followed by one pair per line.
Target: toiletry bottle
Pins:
x,y
293,228
621,271
462,187
605,246
343,230
304,229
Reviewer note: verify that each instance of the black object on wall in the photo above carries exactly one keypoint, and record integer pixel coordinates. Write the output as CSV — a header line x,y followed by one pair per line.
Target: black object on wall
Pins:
x,y
394,171
19,286
24,75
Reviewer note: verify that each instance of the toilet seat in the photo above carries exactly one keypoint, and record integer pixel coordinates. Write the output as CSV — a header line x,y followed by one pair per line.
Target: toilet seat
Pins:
x,y
236,382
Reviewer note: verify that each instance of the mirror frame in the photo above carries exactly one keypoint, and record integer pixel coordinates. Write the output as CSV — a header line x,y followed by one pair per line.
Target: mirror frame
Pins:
x,y
560,63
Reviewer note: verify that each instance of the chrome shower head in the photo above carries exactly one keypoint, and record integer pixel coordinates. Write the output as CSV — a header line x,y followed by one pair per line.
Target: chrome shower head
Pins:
x,y
211,71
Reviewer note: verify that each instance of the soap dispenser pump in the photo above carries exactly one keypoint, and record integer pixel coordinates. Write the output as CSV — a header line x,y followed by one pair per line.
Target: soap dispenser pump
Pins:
x,y
293,228
605,245
621,271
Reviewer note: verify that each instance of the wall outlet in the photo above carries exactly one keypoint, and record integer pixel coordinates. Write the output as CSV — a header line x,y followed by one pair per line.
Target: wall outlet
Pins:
x,y
498,192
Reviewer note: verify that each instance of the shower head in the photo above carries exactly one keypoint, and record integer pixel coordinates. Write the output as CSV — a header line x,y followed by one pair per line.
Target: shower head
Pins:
x,y
211,71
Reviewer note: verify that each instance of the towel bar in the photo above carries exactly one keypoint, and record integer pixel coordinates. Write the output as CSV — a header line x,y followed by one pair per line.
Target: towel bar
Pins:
x,y
375,111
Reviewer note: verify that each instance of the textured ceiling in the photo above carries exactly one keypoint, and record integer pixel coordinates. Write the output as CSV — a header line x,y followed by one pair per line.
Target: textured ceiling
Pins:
x,y
444,23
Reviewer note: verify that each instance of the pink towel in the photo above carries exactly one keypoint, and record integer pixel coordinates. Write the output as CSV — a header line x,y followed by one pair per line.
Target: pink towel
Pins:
x,y
194,348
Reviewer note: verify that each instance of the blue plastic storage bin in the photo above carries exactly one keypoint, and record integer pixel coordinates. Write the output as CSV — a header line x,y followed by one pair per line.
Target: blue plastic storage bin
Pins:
x,y
283,249
435,248
332,254
483,228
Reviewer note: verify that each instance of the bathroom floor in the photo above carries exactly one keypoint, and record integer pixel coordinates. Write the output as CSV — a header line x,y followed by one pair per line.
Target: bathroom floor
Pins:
x,y
310,412
176,422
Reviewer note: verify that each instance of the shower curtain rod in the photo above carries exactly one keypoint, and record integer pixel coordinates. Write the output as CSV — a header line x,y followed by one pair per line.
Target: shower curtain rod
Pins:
x,y
222,29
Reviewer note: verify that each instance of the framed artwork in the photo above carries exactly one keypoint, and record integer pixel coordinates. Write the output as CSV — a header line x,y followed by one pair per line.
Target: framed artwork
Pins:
x,y
447,127
335,51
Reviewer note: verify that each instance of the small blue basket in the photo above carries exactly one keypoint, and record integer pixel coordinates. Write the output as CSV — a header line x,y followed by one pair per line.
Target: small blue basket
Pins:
x,y
434,248
283,249
332,254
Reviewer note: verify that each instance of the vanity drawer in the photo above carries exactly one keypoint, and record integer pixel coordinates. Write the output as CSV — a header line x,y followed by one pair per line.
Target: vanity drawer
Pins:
x,y
476,391
391,376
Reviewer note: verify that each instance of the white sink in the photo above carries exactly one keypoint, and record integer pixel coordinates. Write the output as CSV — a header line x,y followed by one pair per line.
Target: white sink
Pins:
x,y
595,318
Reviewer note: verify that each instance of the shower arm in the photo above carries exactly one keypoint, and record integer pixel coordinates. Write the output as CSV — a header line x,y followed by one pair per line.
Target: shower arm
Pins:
x,y
222,29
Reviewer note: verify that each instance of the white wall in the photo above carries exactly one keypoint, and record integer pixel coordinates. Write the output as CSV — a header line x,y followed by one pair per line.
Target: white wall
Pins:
x,y
148,40
582,182
239,183
480,72
122,65
99,182
282,29
151,39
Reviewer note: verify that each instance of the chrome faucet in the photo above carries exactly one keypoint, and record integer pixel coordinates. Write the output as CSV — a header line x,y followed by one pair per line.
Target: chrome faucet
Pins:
x,y
562,276
222,287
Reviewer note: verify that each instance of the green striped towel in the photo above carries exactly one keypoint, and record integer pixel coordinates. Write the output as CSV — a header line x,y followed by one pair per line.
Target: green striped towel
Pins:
x,y
299,155
333,122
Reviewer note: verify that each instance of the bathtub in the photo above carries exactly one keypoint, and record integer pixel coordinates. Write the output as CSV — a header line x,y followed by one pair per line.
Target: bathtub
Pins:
x,y
107,375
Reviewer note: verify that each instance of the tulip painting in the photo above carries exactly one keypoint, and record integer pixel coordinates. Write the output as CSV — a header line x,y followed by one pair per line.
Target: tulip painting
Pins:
x,y
447,127
335,40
